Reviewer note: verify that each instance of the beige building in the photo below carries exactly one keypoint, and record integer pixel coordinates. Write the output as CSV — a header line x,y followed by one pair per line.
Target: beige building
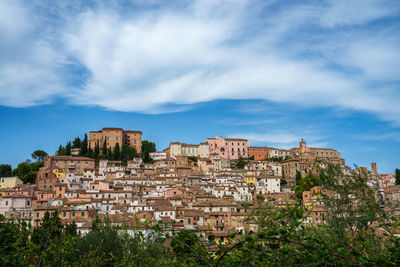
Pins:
x,y
187,150
114,136
305,159
8,182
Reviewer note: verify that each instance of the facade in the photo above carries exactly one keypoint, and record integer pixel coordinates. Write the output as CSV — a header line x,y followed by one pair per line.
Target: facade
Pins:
x,y
177,149
259,153
276,152
228,148
158,155
304,160
57,167
114,136
8,182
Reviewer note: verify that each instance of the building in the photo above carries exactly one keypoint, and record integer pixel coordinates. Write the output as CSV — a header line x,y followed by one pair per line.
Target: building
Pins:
x,y
56,167
8,182
229,148
158,155
277,152
259,153
304,160
114,136
177,149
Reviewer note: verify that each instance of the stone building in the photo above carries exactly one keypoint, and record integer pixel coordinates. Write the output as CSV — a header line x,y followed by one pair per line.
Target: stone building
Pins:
x,y
49,174
114,136
188,150
305,160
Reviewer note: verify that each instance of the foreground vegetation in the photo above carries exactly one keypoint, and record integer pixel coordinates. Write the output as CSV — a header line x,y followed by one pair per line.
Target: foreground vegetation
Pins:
x,y
357,232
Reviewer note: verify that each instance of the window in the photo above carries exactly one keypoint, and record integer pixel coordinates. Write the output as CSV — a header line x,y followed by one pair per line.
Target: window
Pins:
x,y
6,202
64,214
73,214
37,214
188,220
82,213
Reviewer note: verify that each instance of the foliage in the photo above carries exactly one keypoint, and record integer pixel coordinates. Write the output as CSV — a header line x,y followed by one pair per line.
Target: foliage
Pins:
x,y
104,149
26,171
39,155
5,170
278,159
305,184
355,231
128,153
193,158
116,152
84,146
397,176
76,143
147,148
240,162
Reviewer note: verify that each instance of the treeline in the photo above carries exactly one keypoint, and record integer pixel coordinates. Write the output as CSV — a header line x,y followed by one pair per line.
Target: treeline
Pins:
x,y
26,170
123,153
357,231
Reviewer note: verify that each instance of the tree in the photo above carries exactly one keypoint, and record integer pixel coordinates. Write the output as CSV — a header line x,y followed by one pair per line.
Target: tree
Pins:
x,y
76,143
96,151
116,153
298,176
147,148
90,152
398,176
193,158
68,149
25,173
240,162
61,151
128,153
104,148
39,155
84,146
5,170
109,154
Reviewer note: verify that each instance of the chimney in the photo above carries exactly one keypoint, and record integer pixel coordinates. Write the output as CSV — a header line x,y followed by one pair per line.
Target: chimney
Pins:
x,y
373,168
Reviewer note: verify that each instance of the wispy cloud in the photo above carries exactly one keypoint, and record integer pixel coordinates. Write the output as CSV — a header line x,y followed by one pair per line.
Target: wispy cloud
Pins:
x,y
308,54
388,136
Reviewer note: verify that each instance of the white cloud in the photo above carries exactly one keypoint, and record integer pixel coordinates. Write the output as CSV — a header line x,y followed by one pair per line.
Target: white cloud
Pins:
x,y
28,65
210,50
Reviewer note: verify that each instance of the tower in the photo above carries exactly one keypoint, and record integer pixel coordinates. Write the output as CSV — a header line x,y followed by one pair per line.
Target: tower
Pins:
x,y
373,168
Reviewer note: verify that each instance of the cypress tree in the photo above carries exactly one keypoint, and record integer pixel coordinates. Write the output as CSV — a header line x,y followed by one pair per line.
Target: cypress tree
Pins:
x,y
116,154
96,151
397,176
68,149
84,146
104,148
76,143
109,154
90,152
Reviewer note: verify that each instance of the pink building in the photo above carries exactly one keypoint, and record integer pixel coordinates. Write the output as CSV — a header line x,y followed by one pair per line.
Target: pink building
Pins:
x,y
228,148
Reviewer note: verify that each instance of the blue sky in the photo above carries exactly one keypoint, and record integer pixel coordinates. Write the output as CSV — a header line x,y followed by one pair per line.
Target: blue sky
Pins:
x,y
271,71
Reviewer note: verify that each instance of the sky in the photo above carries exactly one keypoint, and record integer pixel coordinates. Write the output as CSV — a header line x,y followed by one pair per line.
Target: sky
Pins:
x,y
272,71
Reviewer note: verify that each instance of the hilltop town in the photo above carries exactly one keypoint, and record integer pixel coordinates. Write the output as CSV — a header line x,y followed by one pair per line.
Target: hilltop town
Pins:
x,y
208,186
